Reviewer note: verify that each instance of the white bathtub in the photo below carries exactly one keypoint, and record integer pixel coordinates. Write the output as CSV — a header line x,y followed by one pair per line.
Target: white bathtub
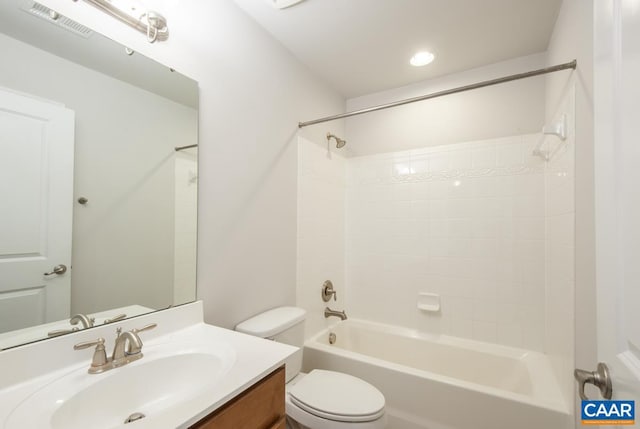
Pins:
x,y
442,382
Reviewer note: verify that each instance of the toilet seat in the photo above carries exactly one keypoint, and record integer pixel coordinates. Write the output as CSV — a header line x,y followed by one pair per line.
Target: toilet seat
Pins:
x,y
337,396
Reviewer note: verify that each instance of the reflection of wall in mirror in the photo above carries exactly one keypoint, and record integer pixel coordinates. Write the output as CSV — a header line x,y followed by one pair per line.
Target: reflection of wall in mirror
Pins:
x,y
123,239
186,214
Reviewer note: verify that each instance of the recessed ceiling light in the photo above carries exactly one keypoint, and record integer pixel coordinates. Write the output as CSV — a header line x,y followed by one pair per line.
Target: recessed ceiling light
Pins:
x,y
421,59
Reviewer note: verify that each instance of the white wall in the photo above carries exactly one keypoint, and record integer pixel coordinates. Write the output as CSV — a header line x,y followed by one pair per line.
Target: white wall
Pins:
x,y
464,221
252,95
321,231
573,39
503,110
124,166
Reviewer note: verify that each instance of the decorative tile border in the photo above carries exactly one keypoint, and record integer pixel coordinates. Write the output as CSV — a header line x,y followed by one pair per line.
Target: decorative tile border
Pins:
x,y
511,170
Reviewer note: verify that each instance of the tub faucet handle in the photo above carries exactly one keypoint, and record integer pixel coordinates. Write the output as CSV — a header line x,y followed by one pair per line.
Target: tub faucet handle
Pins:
x,y
328,290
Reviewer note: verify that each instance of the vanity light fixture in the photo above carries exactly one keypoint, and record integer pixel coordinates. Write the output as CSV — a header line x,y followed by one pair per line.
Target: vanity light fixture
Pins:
x,y
421,59
148,22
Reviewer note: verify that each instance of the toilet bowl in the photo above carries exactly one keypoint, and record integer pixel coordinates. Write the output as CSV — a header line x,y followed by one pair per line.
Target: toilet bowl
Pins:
x,y
333,400
320,399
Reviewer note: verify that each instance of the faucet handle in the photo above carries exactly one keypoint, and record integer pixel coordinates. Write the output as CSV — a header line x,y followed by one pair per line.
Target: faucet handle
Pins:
x,y
86,344
144,328
134,347
328,290
115,319
99,361
59,332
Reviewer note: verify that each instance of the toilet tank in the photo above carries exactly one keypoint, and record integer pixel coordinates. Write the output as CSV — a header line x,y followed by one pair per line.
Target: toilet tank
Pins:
x,y
281,324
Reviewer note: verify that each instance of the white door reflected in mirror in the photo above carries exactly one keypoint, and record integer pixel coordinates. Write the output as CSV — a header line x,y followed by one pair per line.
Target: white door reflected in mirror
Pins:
x,y
36,188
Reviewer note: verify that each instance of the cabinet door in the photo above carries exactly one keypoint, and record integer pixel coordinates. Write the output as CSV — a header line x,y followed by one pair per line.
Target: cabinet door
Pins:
x,y
259,407
280,424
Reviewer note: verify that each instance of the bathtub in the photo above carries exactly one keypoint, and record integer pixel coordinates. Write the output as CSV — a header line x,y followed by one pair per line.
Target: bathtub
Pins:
x,y
442,382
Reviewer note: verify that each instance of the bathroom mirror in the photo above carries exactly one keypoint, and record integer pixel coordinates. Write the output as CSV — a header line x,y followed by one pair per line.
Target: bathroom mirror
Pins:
x,y
97,207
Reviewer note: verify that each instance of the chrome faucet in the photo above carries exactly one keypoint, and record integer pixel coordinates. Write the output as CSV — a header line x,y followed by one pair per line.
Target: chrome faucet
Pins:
x,y
329,312
87,322
127,348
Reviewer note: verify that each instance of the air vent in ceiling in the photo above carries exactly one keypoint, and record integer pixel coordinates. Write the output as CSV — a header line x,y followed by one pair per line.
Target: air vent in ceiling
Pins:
x,y
55,18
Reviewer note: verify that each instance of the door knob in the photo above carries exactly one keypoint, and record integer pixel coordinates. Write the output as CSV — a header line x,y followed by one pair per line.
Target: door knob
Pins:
x,y
58,270
599,378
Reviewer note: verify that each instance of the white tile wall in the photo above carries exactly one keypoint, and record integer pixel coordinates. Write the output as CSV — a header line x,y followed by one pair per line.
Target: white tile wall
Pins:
x,y
465,221
321,225
484,224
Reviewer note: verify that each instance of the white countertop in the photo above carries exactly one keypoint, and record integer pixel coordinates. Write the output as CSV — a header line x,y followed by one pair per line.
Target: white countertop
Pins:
x,y
25,370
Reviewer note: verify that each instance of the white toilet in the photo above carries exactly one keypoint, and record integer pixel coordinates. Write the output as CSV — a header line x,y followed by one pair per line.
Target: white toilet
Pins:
x,y
320,399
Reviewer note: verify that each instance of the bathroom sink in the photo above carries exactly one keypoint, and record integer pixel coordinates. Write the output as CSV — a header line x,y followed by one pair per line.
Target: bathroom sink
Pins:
x,y
150,387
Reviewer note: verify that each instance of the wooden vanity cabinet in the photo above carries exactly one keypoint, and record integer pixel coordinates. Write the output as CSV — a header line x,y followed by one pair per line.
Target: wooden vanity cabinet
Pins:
x,y
259,407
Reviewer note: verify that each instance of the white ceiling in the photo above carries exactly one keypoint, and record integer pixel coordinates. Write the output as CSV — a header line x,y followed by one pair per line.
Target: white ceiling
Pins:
x,y
364,46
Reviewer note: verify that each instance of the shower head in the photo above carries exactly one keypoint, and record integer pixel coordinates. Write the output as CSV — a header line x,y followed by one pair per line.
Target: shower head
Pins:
x,y
339,142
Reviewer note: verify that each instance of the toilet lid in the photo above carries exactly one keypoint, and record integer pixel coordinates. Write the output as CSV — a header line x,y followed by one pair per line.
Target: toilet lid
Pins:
x,y
337,396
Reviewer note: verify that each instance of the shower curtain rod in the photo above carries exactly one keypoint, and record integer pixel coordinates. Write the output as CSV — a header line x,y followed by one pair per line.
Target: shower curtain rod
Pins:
x,y
179,148
565,66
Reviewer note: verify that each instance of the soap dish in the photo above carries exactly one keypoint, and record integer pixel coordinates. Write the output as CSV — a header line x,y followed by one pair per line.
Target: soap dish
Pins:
x,y
428,302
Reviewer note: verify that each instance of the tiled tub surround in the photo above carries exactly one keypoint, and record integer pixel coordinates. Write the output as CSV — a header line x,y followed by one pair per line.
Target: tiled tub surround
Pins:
x,y
560,249
479,223
466,221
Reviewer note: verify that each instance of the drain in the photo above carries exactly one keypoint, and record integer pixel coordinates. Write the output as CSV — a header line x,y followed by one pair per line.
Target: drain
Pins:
x,y
332,338
134,417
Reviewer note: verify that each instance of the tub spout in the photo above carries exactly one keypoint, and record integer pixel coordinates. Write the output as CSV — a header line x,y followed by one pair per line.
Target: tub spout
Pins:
x,y
329,312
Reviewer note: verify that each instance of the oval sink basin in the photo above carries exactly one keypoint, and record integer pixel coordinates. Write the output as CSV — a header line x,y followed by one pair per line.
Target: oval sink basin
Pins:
x,y
150,386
